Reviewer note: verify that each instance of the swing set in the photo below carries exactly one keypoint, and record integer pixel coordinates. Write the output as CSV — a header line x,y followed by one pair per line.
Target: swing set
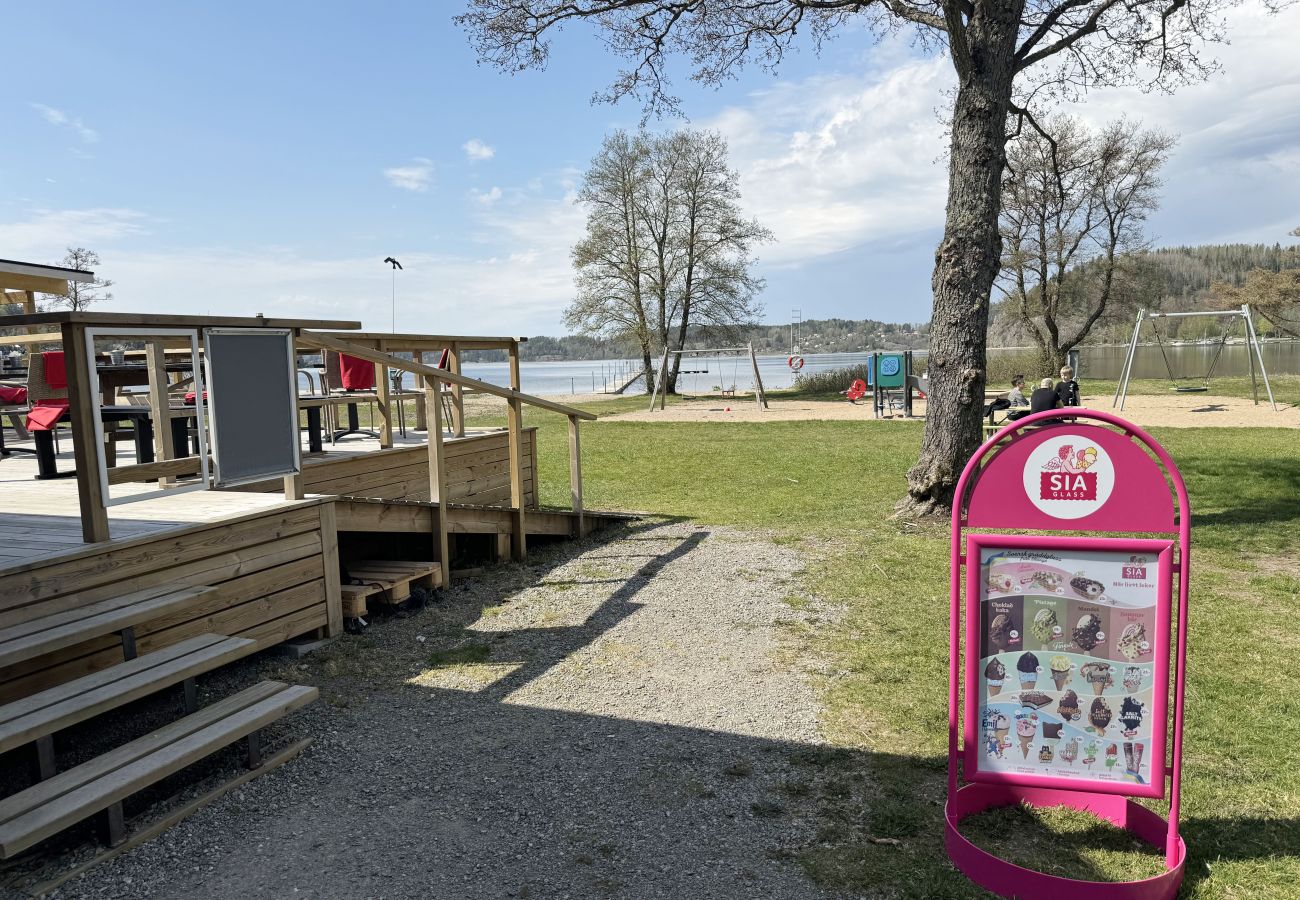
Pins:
x,y
1194,383
728,388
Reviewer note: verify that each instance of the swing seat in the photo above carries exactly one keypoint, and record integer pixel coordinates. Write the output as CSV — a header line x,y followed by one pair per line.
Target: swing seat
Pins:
x,y
1189,389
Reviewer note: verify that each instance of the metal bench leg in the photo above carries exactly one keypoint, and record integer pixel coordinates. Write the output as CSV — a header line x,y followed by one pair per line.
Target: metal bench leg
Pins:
x,y
45,765
128,642
113,825
255,749
191,696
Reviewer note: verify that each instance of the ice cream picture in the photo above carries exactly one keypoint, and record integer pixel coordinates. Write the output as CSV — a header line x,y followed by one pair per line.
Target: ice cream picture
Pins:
x,y
1060,666
1099,714
1001,727
1070,752
1098,675
1090,754
1044,625
1045,754
1036,699
1052,731
1112,756
1133,641
1130,716
1068,708
1132,678
1000,632
1048,581
1027,666
1000,583
1087,632
1026,728
1087,588
994,673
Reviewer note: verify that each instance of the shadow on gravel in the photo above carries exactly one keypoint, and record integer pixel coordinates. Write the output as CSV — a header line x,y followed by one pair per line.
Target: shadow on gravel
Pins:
x,y
419,792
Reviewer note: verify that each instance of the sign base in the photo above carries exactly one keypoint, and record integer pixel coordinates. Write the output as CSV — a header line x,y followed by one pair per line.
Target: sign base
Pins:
x,y
1009,880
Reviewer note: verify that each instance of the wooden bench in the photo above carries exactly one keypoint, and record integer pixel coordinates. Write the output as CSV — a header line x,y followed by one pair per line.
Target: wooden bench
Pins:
x,y
36,718
101,784
55,631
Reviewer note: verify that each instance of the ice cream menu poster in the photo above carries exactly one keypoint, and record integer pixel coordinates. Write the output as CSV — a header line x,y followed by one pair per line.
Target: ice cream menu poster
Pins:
x,y
1069,668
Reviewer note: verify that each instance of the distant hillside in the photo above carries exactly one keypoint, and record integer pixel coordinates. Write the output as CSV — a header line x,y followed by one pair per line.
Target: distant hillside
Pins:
x,y
1170,279
813,336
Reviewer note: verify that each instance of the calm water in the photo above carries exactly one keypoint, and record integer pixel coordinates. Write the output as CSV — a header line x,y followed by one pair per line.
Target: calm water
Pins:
x,y
704,373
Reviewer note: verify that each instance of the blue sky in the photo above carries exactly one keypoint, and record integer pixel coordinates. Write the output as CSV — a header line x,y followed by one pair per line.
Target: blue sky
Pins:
x,y
244,158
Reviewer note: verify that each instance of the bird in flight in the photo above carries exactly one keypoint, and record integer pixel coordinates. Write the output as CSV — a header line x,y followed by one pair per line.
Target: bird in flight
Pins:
x,y
395,263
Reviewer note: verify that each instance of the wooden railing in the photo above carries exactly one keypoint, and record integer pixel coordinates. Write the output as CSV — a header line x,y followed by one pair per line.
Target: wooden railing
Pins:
x,y
433,379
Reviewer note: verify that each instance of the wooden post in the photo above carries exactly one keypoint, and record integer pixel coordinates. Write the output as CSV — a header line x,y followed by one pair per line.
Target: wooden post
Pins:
x,y
438,475
329,542
81,408
160,408
421,418
759,394
458,391
293,487
385,406
575,475
519,538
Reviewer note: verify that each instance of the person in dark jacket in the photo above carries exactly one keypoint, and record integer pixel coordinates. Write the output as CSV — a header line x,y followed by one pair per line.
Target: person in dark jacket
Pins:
x,y
1044,397
1067,391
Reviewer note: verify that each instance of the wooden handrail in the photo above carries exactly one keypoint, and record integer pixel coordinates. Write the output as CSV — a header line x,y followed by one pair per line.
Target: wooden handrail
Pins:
x,y
323,342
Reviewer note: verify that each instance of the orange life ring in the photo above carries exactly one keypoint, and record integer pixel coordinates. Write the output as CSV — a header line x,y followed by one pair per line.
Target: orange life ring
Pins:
x,y
795,363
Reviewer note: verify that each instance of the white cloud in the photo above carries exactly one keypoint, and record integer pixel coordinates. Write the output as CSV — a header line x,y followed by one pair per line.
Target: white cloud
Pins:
x,y
477,151
486,198
416,176
834,161
59,118
45,235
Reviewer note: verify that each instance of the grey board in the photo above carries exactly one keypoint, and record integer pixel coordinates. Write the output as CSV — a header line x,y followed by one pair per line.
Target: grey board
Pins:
x,y
252,403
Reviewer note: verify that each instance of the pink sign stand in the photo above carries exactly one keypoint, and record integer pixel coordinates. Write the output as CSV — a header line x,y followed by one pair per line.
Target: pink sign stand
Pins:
x,y
1099,612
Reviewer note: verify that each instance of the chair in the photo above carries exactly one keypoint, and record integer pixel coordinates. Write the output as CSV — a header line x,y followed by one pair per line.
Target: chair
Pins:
x,y
346,374
47,391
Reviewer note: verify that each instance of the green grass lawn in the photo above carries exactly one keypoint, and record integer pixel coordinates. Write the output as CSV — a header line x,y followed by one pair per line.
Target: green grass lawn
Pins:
x,y
830,487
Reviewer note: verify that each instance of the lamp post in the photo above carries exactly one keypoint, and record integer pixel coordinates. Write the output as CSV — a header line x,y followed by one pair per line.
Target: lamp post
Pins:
x,y
395,266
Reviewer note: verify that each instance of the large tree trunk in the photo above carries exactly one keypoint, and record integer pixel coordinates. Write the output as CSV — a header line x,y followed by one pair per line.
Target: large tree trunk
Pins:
x,y
966,263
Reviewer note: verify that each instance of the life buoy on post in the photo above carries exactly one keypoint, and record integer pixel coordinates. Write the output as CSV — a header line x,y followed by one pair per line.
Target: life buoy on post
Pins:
x,y
795,362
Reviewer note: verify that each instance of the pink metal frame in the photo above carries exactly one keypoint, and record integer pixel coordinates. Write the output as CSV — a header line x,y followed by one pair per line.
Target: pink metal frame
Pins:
x,y
1163,551
982,867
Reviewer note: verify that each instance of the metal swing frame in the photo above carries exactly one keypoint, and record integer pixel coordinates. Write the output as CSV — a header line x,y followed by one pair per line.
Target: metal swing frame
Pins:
x,y
1254,353
660,394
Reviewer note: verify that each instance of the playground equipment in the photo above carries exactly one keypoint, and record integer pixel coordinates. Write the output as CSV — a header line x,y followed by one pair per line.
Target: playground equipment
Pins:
x,y
661,387
1196,384
890,377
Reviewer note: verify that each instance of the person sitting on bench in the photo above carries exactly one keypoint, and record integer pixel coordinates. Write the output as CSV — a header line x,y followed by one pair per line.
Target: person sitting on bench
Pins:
x,y
1014,397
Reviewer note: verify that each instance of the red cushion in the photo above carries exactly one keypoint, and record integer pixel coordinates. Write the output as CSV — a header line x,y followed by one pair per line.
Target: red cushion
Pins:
x,y
13,396
46,414
56,373
358,374
190,395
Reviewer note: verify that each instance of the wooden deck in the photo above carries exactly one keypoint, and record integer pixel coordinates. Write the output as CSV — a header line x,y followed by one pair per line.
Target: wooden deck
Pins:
x,y
42,518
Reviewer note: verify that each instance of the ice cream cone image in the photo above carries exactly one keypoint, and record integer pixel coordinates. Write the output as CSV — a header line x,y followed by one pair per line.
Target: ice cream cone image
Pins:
x,y
1024,745
1026,729
995,688
1060,678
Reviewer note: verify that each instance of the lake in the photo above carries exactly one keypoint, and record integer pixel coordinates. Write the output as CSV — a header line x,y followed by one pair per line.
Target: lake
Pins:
x,y
702,374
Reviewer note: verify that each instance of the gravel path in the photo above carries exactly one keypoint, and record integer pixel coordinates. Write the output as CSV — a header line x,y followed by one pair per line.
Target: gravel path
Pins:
x,y
611,719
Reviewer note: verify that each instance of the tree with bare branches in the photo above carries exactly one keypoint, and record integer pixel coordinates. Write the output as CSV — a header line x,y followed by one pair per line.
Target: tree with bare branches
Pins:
x,y
81,293
667,245
1012,58
1072,215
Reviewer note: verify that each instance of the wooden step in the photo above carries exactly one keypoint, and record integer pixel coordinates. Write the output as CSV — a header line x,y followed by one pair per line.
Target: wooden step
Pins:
x,y
52,710
45,634
386,581
45,809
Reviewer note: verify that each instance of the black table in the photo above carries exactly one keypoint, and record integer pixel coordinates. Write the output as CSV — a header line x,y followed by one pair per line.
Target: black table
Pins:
x,y
139,416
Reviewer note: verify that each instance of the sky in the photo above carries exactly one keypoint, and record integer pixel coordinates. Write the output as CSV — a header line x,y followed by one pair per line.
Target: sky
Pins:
x,y
239,158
